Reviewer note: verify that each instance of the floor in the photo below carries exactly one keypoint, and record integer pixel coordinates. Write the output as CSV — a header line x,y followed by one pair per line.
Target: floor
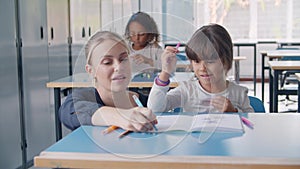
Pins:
x,y
283,106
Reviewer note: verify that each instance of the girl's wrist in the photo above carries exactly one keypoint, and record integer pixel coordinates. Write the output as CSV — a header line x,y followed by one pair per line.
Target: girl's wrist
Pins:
x,y
160,82
164,76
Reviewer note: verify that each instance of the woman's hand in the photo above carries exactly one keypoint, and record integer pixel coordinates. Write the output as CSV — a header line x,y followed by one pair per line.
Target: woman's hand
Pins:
x,y
223,104
137,119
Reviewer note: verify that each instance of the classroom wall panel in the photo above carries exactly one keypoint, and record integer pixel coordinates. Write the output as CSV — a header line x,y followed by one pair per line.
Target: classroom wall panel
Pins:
x,y
10,154
39,120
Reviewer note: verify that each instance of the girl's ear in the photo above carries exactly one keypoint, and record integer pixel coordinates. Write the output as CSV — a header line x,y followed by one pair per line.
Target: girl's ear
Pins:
x,y
88,69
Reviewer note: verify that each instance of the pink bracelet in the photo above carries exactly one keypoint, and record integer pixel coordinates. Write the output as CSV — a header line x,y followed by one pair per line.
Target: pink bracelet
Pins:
x,y
160,82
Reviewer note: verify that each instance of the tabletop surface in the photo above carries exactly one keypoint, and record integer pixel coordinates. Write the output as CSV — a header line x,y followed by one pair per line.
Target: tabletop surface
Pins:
x,y
280,53
275,139
284,65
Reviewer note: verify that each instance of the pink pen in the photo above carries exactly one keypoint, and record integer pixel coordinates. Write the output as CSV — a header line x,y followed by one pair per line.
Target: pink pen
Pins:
x,y
177,46
247,122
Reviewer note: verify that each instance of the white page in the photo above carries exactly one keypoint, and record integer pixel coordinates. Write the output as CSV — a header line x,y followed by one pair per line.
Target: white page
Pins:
x,y
174,122
217,122
201,122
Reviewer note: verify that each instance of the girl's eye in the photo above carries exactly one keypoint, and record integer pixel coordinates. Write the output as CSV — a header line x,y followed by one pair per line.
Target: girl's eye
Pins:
x,y
210,62
141,34
137,34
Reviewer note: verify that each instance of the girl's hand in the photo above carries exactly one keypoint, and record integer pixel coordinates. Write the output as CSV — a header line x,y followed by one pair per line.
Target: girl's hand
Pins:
x,y
168,60
223,104
138,119
139,59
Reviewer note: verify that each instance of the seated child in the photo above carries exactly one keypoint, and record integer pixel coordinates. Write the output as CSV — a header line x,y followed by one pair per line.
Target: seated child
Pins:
x,y
143,36
210,51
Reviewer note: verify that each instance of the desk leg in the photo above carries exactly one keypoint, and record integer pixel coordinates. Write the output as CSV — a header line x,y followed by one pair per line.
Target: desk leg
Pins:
x,y
298,96
271,91
254,76
275,89
57,103
237,71
237,78
263,77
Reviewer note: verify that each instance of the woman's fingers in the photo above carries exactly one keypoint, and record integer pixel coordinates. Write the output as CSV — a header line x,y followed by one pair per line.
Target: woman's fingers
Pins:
x,y
142,119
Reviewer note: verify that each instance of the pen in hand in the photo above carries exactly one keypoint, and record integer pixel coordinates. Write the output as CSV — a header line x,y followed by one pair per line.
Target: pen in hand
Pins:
x,y
112,128
138,102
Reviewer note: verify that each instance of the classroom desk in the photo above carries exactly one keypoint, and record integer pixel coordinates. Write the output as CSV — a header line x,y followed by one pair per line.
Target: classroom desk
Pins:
x,y
298,77
272,143
273,54
186,65
83,80
288,42
248,43
237,60
276,67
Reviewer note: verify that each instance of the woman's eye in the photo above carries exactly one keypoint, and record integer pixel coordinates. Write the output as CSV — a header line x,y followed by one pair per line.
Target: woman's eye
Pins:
x,y
124,59
106,62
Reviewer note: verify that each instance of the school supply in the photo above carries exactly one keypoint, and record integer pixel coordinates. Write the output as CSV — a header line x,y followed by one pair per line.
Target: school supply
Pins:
x,y
212,122
110,129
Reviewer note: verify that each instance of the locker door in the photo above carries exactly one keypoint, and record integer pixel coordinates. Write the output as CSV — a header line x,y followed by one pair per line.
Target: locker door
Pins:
x,y
58,32
85,20
118,17
39,120
92,16
10,154
107,15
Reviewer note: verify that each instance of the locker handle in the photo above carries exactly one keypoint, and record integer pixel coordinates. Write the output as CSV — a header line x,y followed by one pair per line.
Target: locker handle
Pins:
x,y
52,33
42,32
83,32
90,30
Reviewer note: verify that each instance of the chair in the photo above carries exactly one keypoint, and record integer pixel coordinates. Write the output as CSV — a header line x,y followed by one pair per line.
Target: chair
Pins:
x,y
257,104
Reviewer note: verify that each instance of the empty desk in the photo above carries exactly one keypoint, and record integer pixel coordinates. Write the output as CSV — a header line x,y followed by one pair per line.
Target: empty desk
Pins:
x,y
237,60
276,67
248,43
271,55
298,77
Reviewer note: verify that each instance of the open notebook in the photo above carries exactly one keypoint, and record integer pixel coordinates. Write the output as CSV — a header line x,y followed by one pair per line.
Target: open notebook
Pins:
x,y
224,122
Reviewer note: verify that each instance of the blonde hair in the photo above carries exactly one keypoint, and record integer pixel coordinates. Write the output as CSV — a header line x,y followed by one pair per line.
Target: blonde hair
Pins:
x,y
98,38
